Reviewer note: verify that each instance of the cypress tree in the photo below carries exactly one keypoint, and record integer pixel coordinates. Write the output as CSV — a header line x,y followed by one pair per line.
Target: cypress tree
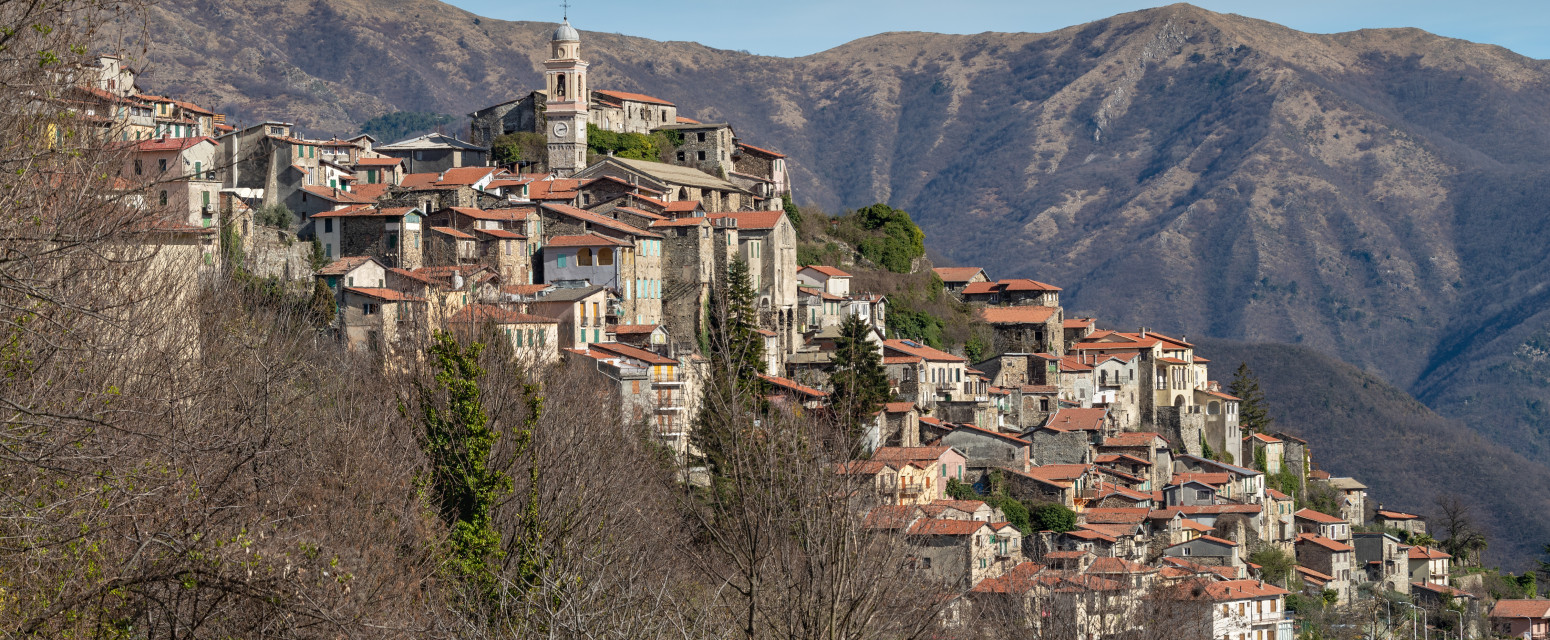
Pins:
x,y
1253,415
859,383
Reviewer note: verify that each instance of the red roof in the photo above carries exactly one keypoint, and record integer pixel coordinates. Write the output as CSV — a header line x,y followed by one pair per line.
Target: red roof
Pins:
x,y
648,357
633,97
752,219
632,329
1521,609
899,407
1243,590
1318,516
592,218
336,195
1020,579
1212,479
1017,315
477,313
1015,284
1133,439
682,206
1427,553
1117,565
1327,543
1077,420
754,149
452,232
793,385
501,233
889,516
934,527
378,162
957,274
681,222
590,239
169,144
389,295
1396,515
912,348
827,271
345,265
907,454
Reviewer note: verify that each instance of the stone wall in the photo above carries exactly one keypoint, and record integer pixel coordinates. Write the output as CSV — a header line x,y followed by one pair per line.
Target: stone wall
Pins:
x,y
687,266
1057,447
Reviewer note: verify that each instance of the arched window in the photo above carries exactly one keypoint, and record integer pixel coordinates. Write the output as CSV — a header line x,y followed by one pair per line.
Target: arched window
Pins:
x,y
605,256
559,87
1214,408
683,193
1179,401
584,258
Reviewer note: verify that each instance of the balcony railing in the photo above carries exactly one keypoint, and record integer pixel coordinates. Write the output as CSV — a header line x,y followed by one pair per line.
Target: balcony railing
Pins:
x,y
946,387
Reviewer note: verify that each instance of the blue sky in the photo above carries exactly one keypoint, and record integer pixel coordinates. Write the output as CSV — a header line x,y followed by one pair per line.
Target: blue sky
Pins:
x,y
801,27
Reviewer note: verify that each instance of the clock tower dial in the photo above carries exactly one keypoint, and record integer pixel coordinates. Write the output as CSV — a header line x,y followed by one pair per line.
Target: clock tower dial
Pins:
x,y
561,130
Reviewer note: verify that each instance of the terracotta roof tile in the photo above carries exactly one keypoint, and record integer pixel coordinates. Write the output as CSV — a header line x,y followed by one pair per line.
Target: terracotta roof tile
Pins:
x,y
388,295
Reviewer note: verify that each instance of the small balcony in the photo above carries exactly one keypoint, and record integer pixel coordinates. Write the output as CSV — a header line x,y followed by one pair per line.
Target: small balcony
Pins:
x,y
946,387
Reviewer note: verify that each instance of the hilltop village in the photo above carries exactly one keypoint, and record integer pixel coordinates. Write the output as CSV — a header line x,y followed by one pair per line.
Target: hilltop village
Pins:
x,y
576,255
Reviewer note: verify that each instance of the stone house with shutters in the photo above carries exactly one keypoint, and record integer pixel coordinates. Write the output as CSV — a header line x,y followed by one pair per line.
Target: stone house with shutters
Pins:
x,y
1026,328
382,321
1381,558
435,152
767,241
581,312
939,462
532,339
679,184
761,171
393,235
1399,520
707,147
378,170
179,176
987,450
964,552
1146,445
1329,557
635,276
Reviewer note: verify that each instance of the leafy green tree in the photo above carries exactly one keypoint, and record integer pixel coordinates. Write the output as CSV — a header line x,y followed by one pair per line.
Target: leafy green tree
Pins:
x,y
1253,415
902,242
520,146
459,441
959,490
859,383
1052,516
636,146
1275,564
915,325
792,212
977,348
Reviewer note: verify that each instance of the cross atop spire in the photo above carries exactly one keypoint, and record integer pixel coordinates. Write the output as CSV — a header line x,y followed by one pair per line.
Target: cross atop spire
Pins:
x,y
565,10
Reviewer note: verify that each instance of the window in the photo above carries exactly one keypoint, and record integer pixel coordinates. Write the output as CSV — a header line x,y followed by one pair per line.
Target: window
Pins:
x,y
584,257
197,170
161,165
561,261
328,225
518,336
163,198
605,256
680,156
701,154
700,137
369,309
328,250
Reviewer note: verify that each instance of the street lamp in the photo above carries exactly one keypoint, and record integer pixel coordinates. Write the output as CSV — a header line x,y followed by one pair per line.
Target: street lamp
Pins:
x,y
1426,632
1461,621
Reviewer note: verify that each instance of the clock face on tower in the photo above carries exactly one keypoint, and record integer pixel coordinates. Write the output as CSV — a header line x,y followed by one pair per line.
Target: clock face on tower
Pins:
x,y
561,129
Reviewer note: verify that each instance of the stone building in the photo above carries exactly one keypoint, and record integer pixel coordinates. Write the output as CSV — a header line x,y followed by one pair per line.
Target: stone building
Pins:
x,y
987,450
635,275
706,147
581,312
679,184
767,241
1026,328
688,270
390,234
1329,557
761,171
1381,558
435,152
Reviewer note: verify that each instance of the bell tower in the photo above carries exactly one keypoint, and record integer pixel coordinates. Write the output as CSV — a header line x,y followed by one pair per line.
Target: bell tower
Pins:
x,y
568,98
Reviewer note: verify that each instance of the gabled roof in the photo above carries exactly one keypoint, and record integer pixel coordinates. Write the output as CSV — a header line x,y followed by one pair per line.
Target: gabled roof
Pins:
x,y
792,385
345,265
633,97
430,141
1243,590
1133,439
1318,516
1072,419
934,527
1014,284
388,295
452,232
592,218
648,357
1521,609
168,144
1396,515
672,174
826,270
1427,553
632,329
1020,579
1327,543
1211,539
890,516
912,348
589,239
751,219
1017,315
906,454
336,195
1117,566
748,147
378,162
957,274
478,313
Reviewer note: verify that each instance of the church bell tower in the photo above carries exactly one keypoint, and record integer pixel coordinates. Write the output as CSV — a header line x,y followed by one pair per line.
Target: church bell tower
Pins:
x,y
568,99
